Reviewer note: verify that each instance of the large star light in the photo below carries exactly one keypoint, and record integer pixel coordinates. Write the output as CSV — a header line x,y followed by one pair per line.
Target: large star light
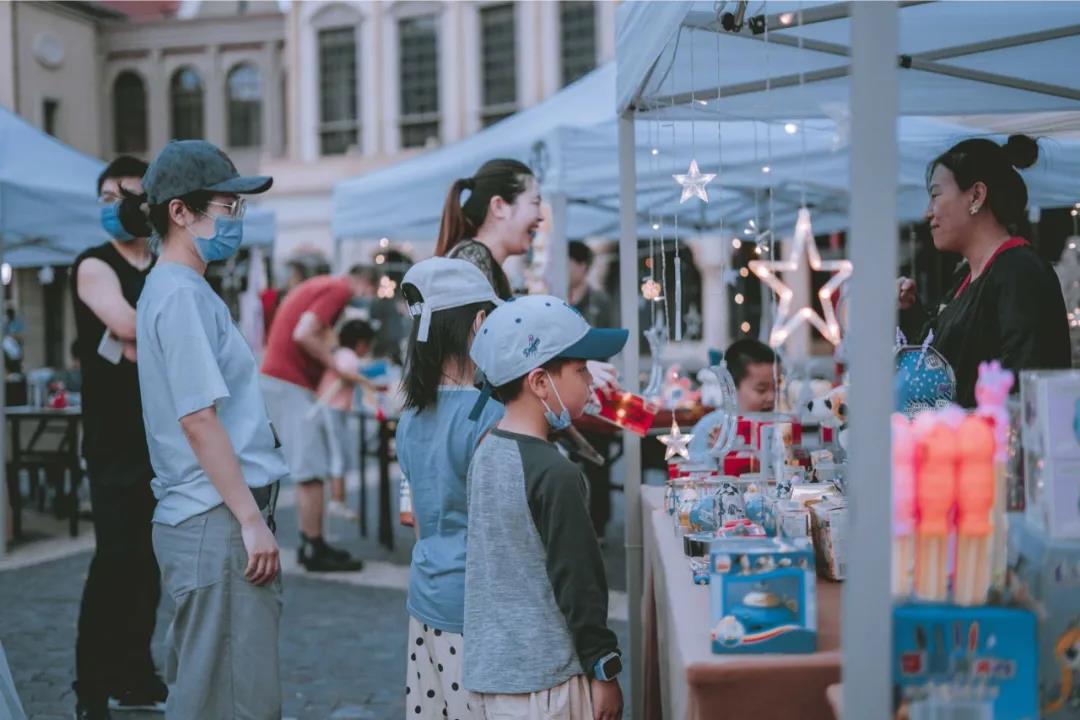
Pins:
x,y
693,183
676,442
788,319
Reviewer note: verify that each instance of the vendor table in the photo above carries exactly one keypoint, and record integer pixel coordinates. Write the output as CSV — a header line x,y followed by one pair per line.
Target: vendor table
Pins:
x,y
684,679
53,445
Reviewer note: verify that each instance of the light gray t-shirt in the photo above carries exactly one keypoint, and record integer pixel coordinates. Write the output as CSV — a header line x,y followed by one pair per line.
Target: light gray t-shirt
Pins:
x,y
192,356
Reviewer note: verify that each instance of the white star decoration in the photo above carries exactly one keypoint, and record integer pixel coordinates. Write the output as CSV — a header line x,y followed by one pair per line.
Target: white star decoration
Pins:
x,y
676,442
693,183
786,319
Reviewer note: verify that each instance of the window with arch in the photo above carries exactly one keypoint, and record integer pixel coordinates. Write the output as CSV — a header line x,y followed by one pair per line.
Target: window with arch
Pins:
x,y
129,113
186,93
339,126
419,72
244,86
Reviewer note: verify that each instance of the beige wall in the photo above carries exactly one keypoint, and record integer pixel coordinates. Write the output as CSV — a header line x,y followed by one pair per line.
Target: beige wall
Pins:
x,y
74,82
7,56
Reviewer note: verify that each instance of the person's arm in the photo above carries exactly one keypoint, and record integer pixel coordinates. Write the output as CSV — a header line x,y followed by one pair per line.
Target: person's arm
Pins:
x,y
185,330
559,507
99,288
214,451
1032,321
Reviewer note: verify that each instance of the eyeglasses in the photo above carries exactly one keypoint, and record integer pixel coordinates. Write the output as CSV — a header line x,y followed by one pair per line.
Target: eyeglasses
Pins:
x,y
235,209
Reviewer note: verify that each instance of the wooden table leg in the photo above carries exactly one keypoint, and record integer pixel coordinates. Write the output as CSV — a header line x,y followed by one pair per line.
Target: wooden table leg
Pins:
x,y
363,474
75,476
14,491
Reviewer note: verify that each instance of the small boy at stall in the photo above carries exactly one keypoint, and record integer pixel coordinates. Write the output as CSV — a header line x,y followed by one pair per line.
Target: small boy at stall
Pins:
x,y
335,395
753,366
537,642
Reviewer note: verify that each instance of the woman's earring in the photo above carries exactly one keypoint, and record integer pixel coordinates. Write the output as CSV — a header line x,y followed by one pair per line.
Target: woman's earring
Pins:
x,y
974,209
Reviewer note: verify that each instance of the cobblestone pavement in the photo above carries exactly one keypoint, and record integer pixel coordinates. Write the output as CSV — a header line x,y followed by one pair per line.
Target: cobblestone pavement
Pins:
x,y
342,638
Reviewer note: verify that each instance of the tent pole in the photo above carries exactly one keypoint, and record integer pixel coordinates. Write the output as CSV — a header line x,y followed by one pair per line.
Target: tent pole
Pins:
x,y
4,501
628,305
867,636
556,268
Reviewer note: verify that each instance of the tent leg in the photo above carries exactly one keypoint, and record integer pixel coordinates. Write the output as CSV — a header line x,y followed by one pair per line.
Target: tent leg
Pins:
x,y
628,303
867,647
4,503
556,268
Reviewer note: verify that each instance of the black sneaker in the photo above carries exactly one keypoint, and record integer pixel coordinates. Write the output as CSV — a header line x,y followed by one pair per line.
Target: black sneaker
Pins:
x,y
92,711
316,547
314,559
147,698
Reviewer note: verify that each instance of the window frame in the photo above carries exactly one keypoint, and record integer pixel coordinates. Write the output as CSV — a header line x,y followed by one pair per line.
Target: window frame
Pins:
x,y
200,92
349,128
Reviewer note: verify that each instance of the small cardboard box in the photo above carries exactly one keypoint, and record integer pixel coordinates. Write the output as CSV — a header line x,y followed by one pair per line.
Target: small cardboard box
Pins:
x,y
1050,433
967,661
828,525
763,596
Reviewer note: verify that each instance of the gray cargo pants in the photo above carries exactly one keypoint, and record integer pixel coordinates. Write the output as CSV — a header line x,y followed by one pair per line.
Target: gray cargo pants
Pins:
x,y
222,645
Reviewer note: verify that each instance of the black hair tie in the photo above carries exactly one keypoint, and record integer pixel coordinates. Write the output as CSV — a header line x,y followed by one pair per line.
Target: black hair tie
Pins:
x,y
468,183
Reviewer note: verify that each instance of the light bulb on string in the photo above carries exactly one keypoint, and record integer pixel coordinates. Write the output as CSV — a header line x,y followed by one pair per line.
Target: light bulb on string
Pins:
x,y
736,243
791,128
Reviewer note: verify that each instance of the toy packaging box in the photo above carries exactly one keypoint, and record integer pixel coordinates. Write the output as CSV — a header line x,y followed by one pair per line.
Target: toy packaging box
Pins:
x,y
763,596
970,662
828,523
1050,433
1045,575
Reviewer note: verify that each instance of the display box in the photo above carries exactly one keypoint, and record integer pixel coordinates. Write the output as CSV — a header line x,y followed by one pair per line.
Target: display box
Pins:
x,y
1045,574
1050,433
828,526
965,662
763,596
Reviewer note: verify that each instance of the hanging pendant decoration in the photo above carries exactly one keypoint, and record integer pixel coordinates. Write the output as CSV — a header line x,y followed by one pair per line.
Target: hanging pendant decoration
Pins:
x,y
651,290
693,183
678,296
656,336
676,442
787,319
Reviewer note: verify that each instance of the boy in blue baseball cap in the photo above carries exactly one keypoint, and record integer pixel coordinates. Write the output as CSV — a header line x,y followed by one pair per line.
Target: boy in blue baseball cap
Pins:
x,y
533,560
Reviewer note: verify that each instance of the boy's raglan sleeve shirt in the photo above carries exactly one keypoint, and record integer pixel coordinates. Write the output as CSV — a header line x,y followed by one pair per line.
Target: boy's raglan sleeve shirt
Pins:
x,y
558,501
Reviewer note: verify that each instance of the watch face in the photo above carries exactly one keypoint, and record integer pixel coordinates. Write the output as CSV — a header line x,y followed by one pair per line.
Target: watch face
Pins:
x,y
613,667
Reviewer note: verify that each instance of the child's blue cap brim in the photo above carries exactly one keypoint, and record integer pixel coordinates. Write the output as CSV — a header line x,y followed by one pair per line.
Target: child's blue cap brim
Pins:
x,y
598,344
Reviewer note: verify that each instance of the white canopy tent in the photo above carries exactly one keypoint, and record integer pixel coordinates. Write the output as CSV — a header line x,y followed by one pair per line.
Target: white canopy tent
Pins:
x,y
573,136
860,64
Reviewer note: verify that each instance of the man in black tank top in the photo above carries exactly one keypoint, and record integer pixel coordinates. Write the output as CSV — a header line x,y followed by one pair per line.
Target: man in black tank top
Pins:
x,y
113,663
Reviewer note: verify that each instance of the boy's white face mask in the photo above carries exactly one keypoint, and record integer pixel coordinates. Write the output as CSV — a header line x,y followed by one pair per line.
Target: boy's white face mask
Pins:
x,y
563,419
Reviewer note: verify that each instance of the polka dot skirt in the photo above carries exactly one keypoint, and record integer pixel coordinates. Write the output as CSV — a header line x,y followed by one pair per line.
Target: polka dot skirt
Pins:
x,y
433,677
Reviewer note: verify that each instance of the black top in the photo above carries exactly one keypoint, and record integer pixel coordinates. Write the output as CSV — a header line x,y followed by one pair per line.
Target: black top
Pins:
x,y
1014,312
111,404
480,255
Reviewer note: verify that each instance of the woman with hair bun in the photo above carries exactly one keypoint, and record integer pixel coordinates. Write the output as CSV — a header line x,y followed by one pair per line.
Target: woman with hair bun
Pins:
x,y
499,218
1007,303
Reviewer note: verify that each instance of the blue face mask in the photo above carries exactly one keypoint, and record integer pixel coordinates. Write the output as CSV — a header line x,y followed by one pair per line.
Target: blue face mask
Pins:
x,y
562,420
110,221
223,244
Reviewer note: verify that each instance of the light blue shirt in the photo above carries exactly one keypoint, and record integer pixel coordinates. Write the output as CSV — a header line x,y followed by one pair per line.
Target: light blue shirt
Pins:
x,y
192,356
434,448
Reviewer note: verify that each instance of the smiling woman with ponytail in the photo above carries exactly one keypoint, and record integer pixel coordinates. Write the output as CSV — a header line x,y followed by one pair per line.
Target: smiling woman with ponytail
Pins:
x,y
498,218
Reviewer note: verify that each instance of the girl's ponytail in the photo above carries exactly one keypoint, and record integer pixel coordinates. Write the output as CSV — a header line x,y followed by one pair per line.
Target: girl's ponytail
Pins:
x,y
454,227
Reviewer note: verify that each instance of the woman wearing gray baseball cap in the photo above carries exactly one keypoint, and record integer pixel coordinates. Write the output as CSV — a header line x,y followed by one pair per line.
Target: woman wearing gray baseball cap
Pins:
x,y
215,455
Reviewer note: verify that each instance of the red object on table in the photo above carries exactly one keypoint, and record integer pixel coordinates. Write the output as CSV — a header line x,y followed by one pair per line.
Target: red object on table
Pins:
x,y
737,463
59,401
627,410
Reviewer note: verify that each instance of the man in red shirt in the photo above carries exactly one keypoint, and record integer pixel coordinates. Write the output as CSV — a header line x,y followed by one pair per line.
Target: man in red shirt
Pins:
x,y
298,350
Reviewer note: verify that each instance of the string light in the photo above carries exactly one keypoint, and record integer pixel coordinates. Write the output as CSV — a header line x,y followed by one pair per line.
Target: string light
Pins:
x,y
736,243
738,299
380,259
384,243
745,327
791,128
743,272
766,169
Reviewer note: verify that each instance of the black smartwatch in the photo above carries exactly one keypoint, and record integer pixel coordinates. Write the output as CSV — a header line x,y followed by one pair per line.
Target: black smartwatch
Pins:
x,y
608,667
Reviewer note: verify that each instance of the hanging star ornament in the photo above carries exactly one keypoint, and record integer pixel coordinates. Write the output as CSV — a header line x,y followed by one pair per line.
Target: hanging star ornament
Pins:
x,y
693,183
788,319
676,442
